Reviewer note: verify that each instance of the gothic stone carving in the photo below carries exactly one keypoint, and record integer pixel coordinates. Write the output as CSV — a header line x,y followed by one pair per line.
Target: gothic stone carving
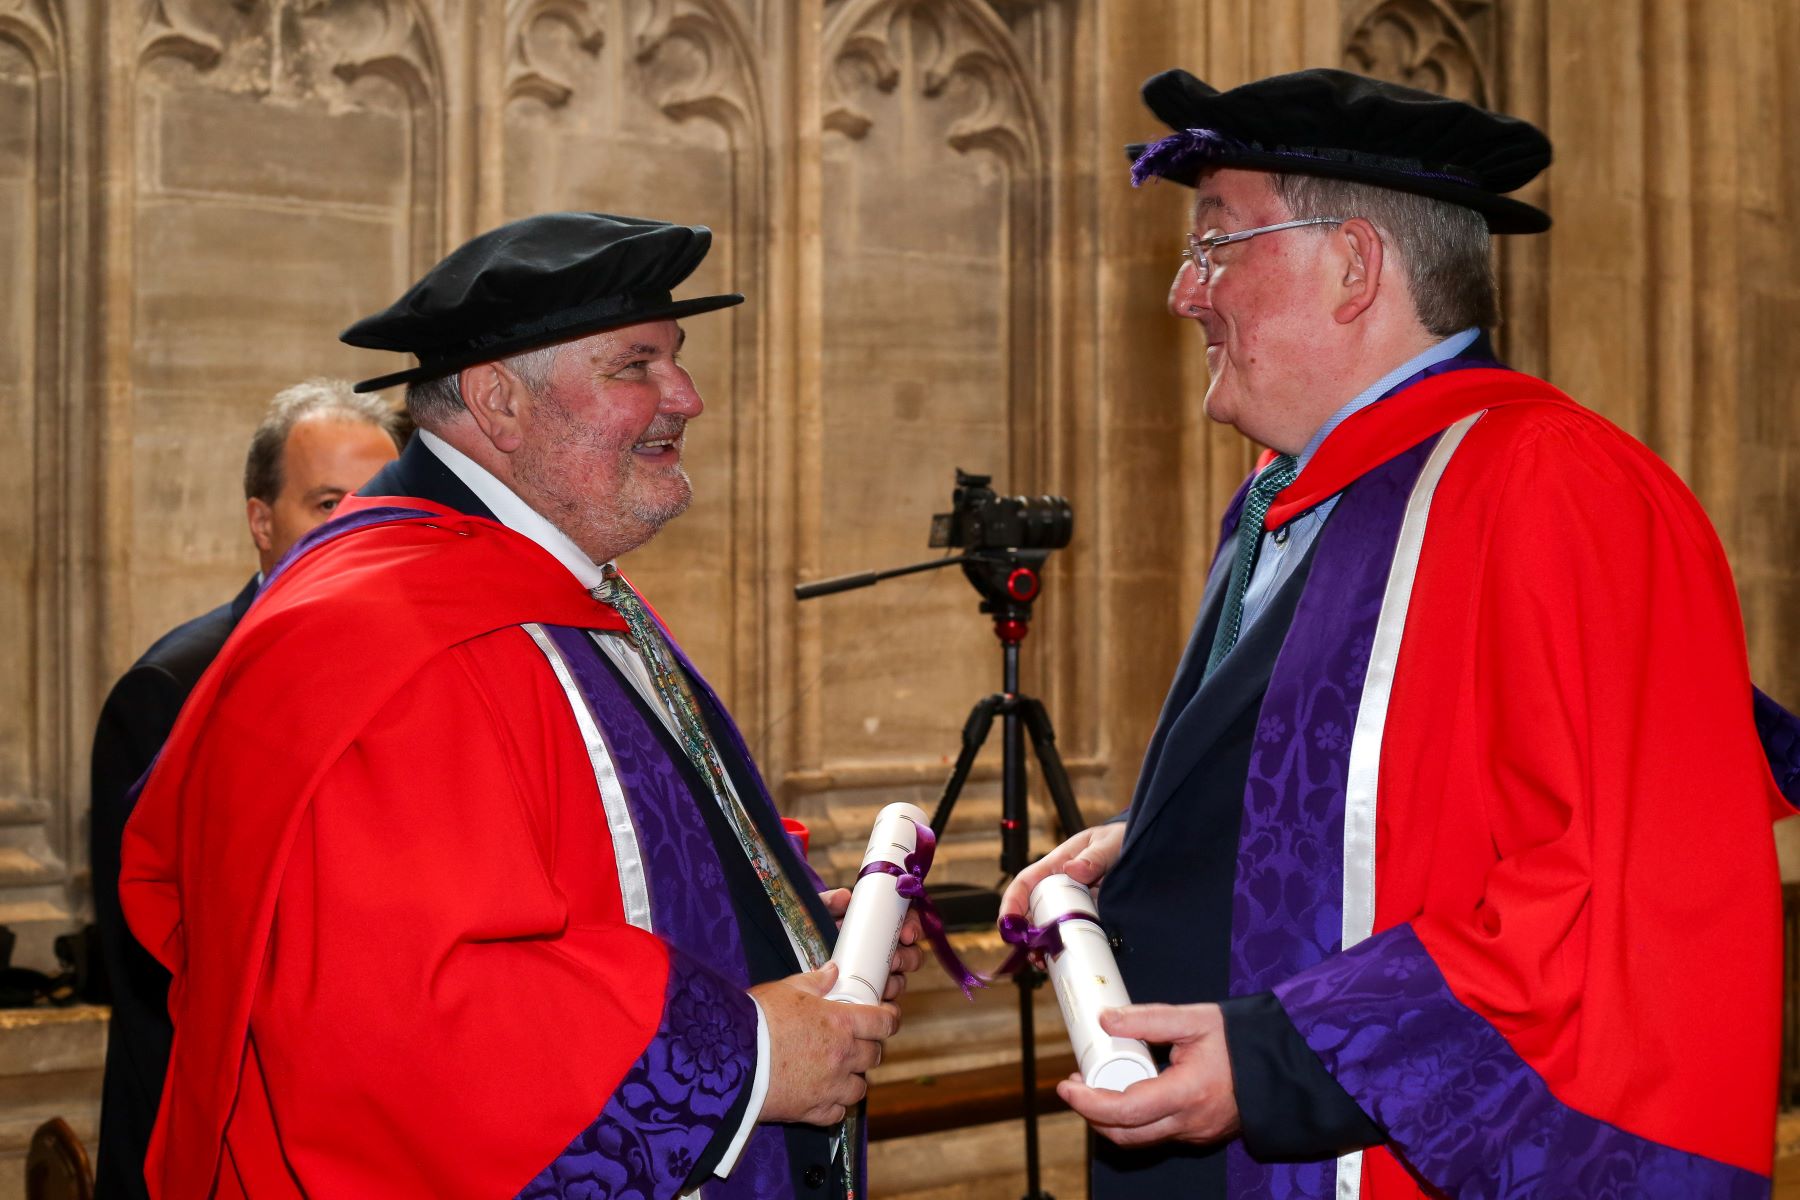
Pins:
x,y
532,67
962,48
296,47
1428,44
704,54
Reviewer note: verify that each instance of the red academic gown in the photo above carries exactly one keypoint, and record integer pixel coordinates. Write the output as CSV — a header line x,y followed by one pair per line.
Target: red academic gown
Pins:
x,y
447,990
1573,823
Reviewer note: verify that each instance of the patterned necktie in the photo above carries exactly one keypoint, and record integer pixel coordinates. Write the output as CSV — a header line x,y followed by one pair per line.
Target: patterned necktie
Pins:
x,y
1277,475
678,698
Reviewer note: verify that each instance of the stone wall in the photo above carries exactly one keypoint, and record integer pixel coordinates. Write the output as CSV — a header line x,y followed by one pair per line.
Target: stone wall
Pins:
x,y
926,204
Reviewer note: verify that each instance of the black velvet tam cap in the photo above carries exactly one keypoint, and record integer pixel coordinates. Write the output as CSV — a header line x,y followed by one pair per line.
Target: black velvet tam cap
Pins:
x,y
1334,123
544,279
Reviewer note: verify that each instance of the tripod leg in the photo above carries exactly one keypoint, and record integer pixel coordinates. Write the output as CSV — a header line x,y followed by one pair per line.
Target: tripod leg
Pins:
x,y
975,731
1043,739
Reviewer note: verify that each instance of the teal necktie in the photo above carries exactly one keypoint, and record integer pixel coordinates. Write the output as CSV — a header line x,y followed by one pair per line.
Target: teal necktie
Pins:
x,y
1263,490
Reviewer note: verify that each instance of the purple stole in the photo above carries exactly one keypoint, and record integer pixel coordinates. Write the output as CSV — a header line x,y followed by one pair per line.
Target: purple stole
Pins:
x,y
671,1101
1287,906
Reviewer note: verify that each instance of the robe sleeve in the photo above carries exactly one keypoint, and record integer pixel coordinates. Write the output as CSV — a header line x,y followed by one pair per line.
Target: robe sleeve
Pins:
x,y
1289,1107
1574,986
449,935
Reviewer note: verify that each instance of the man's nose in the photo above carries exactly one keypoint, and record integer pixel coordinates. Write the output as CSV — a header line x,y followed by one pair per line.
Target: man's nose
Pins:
x,y
1187,295
681,396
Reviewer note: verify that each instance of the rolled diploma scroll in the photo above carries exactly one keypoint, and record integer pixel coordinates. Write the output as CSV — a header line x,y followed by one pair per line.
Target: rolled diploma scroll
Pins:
x,y
1086,978
871,929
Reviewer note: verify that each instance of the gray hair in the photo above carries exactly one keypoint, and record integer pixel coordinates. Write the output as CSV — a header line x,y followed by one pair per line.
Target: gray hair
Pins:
x,y
1445,250
435,401
314,397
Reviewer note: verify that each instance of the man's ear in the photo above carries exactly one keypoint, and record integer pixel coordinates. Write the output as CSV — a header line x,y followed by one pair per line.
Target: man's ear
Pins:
x,y
1362,254
262,523
496,398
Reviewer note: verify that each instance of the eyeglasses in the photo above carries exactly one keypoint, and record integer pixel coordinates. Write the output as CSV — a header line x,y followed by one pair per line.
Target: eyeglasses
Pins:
x,y
1199,249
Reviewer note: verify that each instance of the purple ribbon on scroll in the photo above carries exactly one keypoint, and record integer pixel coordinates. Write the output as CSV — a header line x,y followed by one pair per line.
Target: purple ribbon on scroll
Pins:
x,y
909,882
1026,938
1016,931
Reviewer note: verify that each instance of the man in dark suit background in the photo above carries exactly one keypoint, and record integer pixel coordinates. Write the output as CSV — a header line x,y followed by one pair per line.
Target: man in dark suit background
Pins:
x,y
318,442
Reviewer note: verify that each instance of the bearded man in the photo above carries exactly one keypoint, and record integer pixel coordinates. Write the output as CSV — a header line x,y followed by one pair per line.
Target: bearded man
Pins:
x,y
505,909
1450,870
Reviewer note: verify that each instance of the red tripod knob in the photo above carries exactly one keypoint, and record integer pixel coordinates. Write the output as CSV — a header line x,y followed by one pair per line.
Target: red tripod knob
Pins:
x,y
1023,585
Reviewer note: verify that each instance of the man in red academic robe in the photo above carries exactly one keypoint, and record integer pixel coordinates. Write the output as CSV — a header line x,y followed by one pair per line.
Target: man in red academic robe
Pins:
x,y
468,884
1449,871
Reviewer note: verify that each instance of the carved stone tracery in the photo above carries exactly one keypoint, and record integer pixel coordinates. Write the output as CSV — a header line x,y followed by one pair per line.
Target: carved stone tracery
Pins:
x,y
719,82
530,70
1429,44
962,48
32,24
171,29
696,58
321,51
358,39
203,34
297,47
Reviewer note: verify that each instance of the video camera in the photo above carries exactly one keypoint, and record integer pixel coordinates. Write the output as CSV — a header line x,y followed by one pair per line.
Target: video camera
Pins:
x,y
980,520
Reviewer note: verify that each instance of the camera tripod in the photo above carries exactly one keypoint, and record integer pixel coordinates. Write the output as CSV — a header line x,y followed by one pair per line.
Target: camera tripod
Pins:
x,y
1009,581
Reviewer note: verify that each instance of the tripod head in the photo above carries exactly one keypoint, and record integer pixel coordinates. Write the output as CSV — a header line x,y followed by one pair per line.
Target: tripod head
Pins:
x,y
1008,581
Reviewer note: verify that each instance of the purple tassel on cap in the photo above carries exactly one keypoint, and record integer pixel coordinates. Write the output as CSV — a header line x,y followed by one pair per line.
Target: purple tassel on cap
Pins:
x,y
1178,150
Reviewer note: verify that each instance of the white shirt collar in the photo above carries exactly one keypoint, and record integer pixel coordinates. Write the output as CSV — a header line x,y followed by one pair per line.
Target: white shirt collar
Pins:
x,y
513,512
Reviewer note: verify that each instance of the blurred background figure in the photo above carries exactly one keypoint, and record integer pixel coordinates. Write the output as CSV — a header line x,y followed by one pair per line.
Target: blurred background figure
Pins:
x,y
317,444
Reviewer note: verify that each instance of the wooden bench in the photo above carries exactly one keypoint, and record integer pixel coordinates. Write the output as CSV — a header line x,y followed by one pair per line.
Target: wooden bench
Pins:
x,y
933,1103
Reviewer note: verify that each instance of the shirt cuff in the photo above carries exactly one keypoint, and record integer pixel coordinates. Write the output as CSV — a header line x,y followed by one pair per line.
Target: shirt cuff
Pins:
x,y
759,1092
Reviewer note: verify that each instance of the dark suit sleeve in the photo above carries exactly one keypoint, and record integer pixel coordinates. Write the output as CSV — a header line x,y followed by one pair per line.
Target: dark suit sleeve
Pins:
x,y
1291,1108
135,721
134,724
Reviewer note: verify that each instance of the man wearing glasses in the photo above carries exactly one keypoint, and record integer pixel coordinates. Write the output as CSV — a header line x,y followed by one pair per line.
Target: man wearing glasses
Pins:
x,y
1449,870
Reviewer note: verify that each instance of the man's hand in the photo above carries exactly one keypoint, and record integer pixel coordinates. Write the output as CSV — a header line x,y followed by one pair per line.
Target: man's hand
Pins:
x,y
819,1049
1085,858
1193,1100
908,954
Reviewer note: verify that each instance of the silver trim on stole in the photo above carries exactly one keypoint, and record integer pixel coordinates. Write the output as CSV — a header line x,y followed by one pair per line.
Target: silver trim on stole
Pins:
x,y
1363,776
634,889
